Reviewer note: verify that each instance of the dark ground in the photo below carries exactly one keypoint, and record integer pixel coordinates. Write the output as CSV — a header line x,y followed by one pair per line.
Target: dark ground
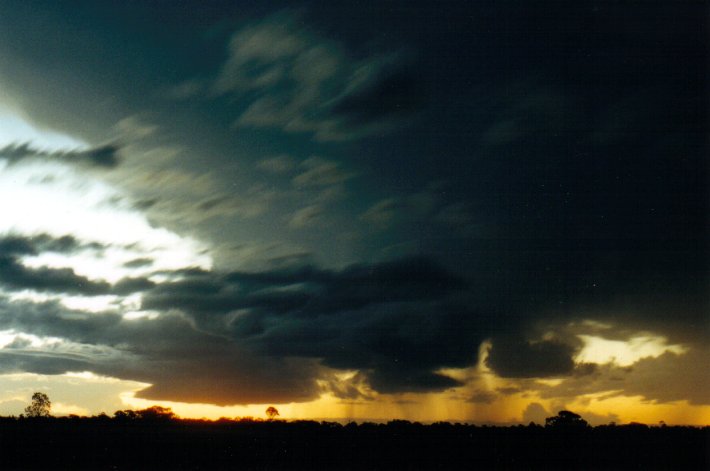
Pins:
x,y
102,443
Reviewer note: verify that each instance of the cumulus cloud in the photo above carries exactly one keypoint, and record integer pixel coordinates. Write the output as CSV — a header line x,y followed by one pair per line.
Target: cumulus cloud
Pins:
x,y
294,79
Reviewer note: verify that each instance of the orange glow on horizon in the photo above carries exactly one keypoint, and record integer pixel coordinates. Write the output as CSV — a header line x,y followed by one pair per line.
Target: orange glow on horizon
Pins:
x,y
89,394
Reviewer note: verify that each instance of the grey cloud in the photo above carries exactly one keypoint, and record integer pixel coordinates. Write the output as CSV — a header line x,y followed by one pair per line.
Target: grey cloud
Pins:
x,y
389,320
131,285
138,263
135,127
184,90
459,216
291,260
15,275
482,397
305,217
390,378
295,80
229,204
397,322
19,343
320,172
382,213
418,206
255,50
146,204
17,361
32,245
277,164
527,108
62,280
267,336
387,94
166,352
513,357
667,378
105,156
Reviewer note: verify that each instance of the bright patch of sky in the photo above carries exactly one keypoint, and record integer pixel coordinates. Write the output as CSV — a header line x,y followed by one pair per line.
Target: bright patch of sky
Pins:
x,y
69,392
56,199
45,197
15,130
624,353
52,198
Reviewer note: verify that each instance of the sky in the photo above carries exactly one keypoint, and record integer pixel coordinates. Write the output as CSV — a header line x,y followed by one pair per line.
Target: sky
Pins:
x,y
470,211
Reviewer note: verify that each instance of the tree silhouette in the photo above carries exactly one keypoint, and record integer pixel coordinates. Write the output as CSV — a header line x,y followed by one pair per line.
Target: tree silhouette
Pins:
x,y
567,420
272,412
156,413
40,406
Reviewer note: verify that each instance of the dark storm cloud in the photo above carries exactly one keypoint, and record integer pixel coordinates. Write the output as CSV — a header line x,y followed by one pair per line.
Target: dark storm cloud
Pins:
x,y
574,133
105,156
265,336
390,320
166,352
518,358
399,322
352,288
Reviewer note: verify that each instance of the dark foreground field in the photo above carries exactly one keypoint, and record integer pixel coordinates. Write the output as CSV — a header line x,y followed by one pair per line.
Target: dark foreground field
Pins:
x,y
103,443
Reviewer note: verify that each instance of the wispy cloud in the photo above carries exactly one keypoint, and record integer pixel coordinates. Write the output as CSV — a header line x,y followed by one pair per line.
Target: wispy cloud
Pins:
x,y
306,217
320,172
105,156
292,78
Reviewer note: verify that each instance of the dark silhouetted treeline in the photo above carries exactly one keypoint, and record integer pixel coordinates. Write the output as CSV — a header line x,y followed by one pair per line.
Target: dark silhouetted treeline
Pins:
x,y
156,439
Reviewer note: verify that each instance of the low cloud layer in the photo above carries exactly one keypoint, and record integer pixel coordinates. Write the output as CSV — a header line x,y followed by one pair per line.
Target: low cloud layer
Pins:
x,y
269,336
